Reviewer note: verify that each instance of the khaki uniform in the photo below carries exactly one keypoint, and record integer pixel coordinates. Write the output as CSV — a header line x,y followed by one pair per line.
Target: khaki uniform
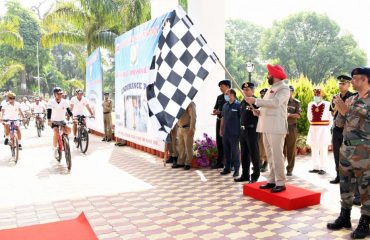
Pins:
x,y
171,147
354,158
261,148
107,110
294,107
272,123
186,141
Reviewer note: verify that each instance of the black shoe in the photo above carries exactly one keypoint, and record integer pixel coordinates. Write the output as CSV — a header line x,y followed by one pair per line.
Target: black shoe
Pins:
x,y
236,173
343,221
321,172
268,186
104,139
253,180
224,172
20,146
277,189
362,230
108,140
289,174
169,160
75,139
241,179
314,171
6,142
357,201
178,166
187,167
335,181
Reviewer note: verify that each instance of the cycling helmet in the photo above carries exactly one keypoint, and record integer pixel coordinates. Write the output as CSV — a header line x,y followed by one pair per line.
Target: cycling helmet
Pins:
x,y
79,91
57,90
10,95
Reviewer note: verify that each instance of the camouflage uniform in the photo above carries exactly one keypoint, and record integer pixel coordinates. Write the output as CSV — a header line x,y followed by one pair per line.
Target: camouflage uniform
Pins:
x,y
354,165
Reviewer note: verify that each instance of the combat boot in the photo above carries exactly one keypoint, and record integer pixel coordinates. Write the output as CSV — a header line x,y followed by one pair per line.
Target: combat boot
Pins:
x,y
362,230
343,221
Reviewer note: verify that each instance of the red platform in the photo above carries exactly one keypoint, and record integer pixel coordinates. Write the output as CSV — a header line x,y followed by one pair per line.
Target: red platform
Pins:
x,y
290,199
75,229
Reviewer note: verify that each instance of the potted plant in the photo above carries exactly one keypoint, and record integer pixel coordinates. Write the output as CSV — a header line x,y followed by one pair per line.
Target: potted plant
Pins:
x,y
205,152
302,147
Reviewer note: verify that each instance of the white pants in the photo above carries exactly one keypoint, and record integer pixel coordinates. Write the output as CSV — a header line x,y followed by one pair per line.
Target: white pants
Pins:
x,y
274,145
319,155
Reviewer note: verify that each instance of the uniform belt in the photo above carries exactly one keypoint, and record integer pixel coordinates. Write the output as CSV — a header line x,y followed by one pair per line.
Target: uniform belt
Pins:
x,y
184,126
356,142
107,112
247,126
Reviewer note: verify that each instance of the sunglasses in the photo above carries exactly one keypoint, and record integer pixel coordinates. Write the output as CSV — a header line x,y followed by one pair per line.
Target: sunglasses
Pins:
x,y
11,98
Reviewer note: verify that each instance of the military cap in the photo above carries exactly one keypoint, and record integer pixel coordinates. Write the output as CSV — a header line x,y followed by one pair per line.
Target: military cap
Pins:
x,y
361,71
225,82
344,78
291,88
263,91
106,93
248,85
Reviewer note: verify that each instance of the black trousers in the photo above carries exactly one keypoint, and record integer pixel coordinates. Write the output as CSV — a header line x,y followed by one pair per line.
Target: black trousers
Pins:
x,y
250,153
337,142
220,146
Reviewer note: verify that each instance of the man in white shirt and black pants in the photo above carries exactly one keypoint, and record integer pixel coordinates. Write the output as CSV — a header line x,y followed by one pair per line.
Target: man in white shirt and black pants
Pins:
x,y
78,104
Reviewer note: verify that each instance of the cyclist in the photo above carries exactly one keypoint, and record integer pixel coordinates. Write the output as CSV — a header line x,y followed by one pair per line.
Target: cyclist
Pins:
x,y
10,112
78,104
56,112
39,108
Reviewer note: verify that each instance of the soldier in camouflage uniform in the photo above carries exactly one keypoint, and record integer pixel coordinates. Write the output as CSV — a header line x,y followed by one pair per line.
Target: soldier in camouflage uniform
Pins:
x,y
355,153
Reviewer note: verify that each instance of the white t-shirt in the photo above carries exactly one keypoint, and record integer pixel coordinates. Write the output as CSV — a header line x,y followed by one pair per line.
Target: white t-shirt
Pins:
x,y
25,106
11,111
38,108
58,110
78,105
3,103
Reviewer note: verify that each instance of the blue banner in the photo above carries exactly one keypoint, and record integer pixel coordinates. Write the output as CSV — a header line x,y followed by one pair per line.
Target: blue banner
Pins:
x,y
94,90
133,58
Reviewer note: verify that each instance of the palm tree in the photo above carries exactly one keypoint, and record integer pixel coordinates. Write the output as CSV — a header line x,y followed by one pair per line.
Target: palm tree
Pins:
x,y
92,23
9,34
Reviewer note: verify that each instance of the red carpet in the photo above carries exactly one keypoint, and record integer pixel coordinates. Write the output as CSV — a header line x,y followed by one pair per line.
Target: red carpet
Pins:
x,y
290,199
75,229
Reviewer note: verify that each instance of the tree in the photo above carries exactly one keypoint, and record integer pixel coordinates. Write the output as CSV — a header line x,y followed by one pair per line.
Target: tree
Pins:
x,y
241,45
9,32
30,31
93,23
311,44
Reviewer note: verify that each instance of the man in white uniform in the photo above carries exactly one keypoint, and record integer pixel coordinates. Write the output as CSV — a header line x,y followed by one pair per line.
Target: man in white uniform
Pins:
x,y
273,124
39,109
11,112
319,137
78,104
56,112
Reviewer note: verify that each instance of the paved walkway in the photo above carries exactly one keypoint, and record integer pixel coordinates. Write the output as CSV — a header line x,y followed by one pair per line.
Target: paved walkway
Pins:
x,y
128,194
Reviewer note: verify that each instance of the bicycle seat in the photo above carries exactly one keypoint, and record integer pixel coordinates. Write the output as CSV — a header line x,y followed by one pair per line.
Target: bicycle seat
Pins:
x,y
60,123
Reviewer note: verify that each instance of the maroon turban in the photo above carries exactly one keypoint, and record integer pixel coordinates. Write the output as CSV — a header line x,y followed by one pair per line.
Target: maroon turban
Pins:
x,y
276,71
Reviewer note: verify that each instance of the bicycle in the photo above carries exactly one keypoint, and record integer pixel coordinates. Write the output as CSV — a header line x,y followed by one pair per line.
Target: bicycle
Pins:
x,y
13,140
26,120
82,138
39,123
63,144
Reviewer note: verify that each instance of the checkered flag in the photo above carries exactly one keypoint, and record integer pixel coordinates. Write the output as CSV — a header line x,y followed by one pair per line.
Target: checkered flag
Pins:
x,y
181,63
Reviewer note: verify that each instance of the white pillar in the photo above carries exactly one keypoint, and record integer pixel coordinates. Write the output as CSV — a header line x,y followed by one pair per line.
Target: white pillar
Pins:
x,y
209,18
160,7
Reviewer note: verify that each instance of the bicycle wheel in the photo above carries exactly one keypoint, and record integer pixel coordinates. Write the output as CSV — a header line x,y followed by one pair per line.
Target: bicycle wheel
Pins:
x,y
38,126
15,150
67,152
77,142
84,140
59,155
